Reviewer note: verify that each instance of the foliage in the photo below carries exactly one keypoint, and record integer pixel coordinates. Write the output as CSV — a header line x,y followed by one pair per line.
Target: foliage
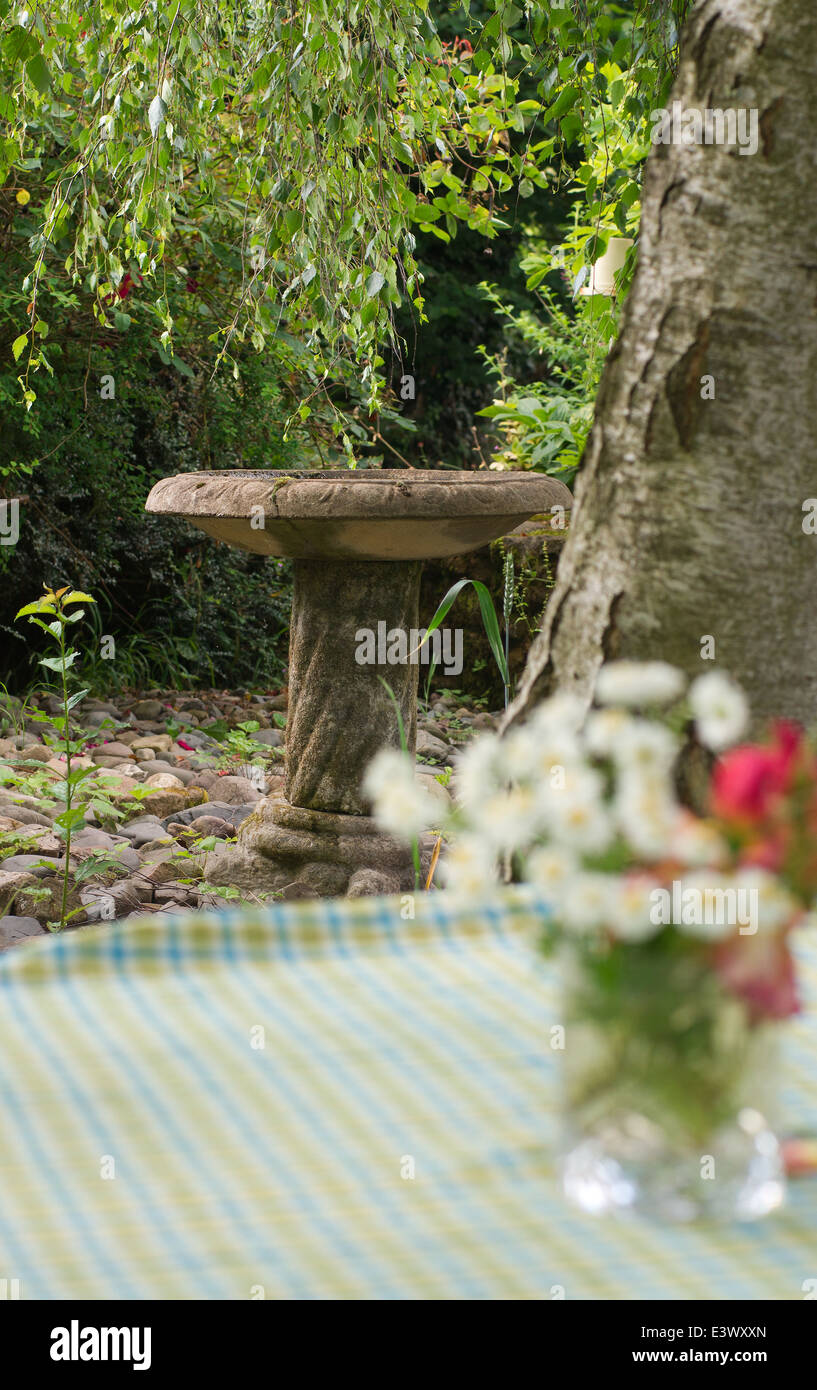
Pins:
x,y
273,139
181,609
304,194
600,106
80,788
297,145
489,621
543,425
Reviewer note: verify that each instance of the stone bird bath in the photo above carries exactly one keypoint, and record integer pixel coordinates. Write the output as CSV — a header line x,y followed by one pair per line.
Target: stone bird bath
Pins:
x,y
358,541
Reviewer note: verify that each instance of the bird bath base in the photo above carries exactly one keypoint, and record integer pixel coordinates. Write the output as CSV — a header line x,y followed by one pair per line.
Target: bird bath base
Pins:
x,y
319,841
314,854
357,540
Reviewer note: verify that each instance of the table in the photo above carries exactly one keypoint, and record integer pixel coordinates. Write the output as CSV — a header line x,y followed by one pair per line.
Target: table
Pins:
x,y
323,1100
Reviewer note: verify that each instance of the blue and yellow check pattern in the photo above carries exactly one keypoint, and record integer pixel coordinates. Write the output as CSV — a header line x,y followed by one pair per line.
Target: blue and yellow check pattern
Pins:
x,y
231,1106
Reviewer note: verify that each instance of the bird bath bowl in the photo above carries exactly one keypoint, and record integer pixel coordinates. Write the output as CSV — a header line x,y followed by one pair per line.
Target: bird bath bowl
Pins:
x,y
357,540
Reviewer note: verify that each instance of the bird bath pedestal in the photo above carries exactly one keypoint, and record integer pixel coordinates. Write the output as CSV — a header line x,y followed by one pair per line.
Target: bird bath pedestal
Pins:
x,y
357,540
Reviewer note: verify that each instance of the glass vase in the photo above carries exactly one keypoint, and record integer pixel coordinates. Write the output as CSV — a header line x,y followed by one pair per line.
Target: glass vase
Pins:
x,y
668,1087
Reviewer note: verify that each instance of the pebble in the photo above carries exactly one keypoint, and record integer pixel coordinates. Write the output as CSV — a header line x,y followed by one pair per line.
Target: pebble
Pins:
x,y
27,863
159,743
429,746
111,750
95,839
160,802
36,752
25,815
166,781
273,738
140,831
14,929
98,717
204,825
197,740
147,709
11,883
172,895
236,791
434,789
132,750
8,824
234,815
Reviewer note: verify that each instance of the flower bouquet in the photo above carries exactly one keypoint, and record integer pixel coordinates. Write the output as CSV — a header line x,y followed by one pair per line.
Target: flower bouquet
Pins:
x,y
673,928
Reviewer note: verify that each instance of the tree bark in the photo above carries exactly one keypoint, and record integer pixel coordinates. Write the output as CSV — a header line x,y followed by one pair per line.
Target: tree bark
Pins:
x,y
689,517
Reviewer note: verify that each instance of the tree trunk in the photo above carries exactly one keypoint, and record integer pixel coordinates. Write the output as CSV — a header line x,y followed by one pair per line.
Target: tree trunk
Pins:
x,y
690,520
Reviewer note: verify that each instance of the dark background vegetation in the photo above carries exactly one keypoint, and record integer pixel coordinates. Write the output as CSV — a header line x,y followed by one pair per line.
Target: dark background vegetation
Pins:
x,y
185,610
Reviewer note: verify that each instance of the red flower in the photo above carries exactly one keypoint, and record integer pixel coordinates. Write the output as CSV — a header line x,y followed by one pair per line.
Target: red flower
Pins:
x,y
749,782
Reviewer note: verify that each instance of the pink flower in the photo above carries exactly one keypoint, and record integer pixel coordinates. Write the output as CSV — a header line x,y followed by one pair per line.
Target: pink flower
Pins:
x,y
760,971
188,746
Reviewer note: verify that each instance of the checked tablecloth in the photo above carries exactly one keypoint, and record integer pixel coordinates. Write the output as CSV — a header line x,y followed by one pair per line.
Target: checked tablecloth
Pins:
x,y
322,1100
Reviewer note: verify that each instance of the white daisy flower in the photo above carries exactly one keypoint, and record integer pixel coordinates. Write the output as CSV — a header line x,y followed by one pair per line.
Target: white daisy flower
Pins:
x,y
479,770
468,868
530,754
574,813
629,908
551,868
560,714
584,903
646,813
509,819
709,906
774,905
695,842
645,746
639,683
721,710
399,805
604,729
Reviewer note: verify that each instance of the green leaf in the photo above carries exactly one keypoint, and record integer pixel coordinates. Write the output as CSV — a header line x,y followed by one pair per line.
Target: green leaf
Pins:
x,y
37,72
374,284
77,596
489,620
18,346
38,607
56,663
79,774
18,43
566,98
